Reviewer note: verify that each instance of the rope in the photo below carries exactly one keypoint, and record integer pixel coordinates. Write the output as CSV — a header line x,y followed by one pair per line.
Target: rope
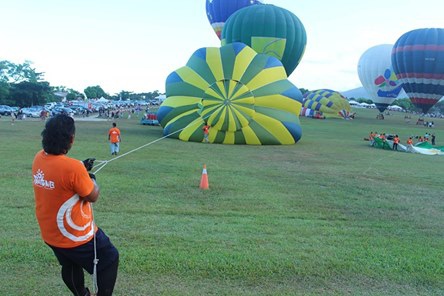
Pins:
x,y
101,165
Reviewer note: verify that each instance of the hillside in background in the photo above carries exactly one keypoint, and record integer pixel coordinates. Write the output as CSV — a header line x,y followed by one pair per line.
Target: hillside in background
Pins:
x,y
361,93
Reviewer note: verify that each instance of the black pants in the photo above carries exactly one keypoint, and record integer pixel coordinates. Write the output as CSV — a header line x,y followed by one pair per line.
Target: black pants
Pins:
x,y
73,278
75,260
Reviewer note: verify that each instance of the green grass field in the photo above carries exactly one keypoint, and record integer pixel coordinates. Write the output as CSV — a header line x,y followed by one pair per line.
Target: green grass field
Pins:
x,y
327,216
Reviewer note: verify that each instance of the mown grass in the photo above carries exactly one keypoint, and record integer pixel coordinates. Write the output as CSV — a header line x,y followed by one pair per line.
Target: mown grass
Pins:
x,y
327,216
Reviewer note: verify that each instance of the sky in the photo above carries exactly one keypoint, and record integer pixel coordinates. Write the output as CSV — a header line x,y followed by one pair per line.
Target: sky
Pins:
x,y
133,45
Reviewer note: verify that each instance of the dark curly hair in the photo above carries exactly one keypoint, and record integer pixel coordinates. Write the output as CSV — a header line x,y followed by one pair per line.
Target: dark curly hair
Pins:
x,y
57,135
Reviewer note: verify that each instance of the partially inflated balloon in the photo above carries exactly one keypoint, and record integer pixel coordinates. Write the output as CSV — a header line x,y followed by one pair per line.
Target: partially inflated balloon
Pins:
x,y
244,96
377,76
418,61
331,103
268,29
218,11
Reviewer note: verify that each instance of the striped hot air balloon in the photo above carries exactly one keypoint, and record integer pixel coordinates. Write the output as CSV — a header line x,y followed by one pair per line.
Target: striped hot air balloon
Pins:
x,y
218,11
331,103
418,61
244,96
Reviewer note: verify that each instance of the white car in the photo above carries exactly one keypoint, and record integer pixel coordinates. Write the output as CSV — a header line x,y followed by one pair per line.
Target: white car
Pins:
x,y
32,111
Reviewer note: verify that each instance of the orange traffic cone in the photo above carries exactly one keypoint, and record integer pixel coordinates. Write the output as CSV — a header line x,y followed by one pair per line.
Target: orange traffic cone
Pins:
x,y
204,179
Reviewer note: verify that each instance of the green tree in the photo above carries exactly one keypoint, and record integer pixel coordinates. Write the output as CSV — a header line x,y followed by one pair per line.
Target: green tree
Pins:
x,y
404,103
94,92
15,73
31,93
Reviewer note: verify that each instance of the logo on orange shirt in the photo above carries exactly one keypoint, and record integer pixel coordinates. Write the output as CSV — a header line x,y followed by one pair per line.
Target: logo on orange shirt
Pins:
x,y
39,180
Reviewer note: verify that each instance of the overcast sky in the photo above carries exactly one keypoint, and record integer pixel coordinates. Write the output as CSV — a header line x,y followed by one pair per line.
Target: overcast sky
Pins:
x,y
133,45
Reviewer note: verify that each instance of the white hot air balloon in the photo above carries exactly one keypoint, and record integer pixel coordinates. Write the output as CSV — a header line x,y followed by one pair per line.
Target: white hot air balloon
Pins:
x,y
377,76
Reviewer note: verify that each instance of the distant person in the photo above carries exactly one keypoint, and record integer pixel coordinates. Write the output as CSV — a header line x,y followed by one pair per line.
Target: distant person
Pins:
x,y
433,139
206,130
114,139
371,138
410,141
395,142
64,191
13,117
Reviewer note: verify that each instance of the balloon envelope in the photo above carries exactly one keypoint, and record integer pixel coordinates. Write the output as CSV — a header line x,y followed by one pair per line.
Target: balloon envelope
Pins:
x,y
268,29
418,61
377,76
218,11
331,103
244,96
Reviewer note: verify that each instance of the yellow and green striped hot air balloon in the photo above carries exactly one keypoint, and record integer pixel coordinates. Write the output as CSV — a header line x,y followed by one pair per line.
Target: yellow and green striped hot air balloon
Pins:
x,y
245,98
331,103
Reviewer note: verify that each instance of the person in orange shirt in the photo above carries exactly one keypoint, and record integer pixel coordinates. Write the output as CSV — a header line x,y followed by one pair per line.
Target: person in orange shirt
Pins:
x,y
206,130
395,142
114,139
64,191
410,141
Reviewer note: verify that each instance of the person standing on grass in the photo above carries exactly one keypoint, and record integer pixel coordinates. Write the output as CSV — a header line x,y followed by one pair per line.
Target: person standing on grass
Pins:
x,y
64,191
395,142
114,139
206,130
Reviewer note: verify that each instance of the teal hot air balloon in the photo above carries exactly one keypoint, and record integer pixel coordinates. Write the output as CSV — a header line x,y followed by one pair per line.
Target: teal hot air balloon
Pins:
x,y
418,61
244,96
268,29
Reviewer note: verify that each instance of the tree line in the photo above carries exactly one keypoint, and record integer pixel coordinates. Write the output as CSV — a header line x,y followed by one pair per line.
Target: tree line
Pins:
x,y
22,85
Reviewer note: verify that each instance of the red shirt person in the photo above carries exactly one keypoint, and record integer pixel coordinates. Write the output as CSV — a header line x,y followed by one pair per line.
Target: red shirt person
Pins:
x,y
206,131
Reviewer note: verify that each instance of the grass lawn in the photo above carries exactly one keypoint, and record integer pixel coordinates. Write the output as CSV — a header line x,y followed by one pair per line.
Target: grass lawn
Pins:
x,y
327,216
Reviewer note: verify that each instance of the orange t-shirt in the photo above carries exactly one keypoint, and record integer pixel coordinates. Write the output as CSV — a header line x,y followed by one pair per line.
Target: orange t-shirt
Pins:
x,y
114,134
206,128
65,220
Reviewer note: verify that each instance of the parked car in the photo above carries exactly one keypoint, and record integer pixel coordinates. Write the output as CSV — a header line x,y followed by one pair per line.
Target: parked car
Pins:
x,y
32,111
79,110
62,110
5,110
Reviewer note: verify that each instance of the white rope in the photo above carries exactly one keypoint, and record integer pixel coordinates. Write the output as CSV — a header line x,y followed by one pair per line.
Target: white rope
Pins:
x,y
100,166
103,163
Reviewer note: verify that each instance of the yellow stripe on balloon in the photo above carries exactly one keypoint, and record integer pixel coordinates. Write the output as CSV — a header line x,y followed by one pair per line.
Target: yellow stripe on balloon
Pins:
x,y
232,87
179,116
266,76
241,117
243,60
278,101
229,138
214,62
250,136
221,119
178,101
189,76
231,122
190,129
276,128
245,111
212,93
